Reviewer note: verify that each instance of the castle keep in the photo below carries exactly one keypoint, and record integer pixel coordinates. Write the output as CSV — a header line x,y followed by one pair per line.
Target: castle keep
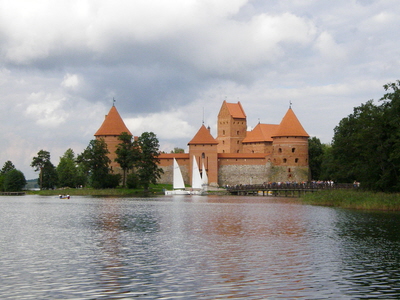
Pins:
x,y
267,153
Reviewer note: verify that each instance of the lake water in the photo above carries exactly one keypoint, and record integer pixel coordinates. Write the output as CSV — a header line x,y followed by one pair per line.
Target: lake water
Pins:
x,y
194,247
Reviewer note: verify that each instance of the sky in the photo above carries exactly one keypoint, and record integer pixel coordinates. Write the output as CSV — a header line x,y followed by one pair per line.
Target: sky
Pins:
x,y
169,65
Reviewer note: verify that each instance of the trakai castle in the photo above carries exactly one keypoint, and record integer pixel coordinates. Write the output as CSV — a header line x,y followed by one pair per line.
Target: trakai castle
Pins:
x,y
268,153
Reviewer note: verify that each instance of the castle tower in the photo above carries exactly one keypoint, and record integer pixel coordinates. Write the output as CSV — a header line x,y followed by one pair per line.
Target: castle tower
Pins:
x,y
232,127
290,149
204,148
112,127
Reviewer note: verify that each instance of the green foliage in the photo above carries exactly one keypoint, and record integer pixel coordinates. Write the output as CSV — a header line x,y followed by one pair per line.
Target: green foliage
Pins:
x,y
8,166
127,154
316,155
67,170
49,177
354,199
112,181
14,181
95,162
48,173
366,144
147,166
178,150
132,181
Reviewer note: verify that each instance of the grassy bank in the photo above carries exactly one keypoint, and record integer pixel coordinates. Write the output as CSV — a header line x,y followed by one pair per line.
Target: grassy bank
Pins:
x,y
354,199
118,192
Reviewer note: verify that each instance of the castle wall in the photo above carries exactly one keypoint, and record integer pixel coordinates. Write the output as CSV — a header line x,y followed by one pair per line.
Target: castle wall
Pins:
x,y
257,147
166,161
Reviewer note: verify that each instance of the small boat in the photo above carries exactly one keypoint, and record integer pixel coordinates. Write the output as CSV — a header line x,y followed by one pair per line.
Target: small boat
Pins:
x,y
178,183
64,196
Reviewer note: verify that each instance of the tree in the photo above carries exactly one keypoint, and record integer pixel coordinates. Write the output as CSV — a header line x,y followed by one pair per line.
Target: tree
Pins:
x,y
8,166
178,150
127,153
366,144
147,166
49,176
316,154
96,162
67,170
14,181
39,163
357,146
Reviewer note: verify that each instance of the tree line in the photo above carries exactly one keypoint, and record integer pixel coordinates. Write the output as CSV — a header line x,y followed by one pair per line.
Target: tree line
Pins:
x,y
138,159
365,147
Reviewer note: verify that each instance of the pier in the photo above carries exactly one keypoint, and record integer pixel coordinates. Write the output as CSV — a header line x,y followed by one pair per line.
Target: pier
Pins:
x,y
286,189
12,193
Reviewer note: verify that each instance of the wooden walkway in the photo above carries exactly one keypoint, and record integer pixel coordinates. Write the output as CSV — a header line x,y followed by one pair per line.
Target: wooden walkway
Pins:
x,y
12,193
285,189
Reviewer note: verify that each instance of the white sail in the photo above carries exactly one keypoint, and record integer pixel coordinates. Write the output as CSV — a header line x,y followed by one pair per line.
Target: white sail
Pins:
x,y
178,182
196,178
204,177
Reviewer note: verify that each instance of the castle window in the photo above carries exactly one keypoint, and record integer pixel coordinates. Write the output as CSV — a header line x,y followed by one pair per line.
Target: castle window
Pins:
x,y
289,170
293,149
223,132
223,142
280,150
284,160
296,160
237,151
237,142
237,132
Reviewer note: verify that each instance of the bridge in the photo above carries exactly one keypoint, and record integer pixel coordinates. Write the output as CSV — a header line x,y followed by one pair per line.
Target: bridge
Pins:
x,y
287,189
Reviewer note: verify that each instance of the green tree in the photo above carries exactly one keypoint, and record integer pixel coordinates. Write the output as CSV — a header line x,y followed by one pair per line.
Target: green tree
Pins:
x,y
147,166
8,166
49,176
14,181
178,150
96,163
127,153
366,144
39,162
67,170
358,148
316,156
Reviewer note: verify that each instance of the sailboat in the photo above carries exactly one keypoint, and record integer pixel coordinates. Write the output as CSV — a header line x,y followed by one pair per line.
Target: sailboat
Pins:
x,y
178,183
204,178
197,181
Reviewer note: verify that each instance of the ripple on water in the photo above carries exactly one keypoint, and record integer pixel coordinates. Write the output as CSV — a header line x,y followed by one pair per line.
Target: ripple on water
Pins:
x,y
211,248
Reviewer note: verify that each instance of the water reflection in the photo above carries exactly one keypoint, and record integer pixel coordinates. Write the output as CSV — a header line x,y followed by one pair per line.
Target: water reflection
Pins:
x,y
194,248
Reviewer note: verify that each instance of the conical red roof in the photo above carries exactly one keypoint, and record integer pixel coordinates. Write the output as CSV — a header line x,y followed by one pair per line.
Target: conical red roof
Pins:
x,y
203,136
112,124
290,126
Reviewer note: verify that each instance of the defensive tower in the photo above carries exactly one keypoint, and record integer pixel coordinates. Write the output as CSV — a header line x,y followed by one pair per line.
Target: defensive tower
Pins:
x,y
112,127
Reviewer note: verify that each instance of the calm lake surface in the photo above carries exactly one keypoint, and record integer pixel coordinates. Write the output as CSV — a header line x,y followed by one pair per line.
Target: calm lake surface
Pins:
x,y
194,247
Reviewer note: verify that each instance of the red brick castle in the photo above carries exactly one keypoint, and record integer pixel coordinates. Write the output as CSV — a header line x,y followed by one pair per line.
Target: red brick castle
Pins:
x,y
268,153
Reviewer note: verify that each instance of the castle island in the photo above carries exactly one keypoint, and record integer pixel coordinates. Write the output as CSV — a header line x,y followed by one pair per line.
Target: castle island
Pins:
x,y
267,153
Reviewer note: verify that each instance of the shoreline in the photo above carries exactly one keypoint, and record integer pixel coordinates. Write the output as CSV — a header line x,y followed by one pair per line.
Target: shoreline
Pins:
x,y
350,199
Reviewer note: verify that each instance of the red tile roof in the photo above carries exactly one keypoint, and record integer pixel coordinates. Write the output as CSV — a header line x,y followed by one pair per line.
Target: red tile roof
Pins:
x,y
203,136
236,110
112,124
290,126
261,133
